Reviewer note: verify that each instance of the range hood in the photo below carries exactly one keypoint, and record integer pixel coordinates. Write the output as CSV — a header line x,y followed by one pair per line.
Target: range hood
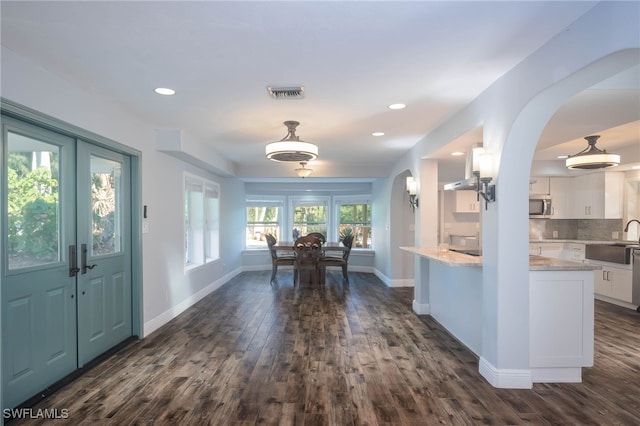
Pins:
x,y
470,181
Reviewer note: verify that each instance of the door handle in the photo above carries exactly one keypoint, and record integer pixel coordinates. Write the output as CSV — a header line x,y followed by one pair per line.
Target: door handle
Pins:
x,y
84,260
73,267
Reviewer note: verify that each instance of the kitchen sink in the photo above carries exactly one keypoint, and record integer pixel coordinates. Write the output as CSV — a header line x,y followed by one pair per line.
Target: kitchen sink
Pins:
x,y
613,252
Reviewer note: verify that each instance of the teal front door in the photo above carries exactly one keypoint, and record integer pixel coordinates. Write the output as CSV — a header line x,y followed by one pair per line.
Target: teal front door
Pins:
x,y
104,236
66,256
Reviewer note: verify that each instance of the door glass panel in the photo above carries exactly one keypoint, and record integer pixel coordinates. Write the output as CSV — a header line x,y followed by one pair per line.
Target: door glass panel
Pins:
x,y
33,178
106,214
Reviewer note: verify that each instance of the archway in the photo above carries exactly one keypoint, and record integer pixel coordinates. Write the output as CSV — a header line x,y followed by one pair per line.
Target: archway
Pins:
x,y
401,233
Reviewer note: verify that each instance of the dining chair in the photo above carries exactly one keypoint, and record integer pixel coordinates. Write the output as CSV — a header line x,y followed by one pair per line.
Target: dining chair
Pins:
x,y
278,260
307,240
307,253
318,235
342,261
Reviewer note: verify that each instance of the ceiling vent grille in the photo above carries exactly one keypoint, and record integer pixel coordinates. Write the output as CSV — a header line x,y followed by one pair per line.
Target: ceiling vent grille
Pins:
x,y
286,92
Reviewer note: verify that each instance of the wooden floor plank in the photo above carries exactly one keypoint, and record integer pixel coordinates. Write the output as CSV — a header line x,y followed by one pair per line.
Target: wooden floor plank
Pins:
x,y
338,354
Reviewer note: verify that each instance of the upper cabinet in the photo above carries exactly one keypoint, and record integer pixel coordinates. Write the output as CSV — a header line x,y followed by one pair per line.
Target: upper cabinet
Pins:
x,y
467,202
560,190
539,185
597,196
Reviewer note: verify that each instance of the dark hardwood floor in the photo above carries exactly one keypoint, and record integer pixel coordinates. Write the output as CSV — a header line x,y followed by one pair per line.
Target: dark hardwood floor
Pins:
x,y
340,354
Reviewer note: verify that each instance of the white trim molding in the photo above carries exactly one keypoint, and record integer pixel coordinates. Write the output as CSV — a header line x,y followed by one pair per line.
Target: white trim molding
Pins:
x,y
505,378
421,308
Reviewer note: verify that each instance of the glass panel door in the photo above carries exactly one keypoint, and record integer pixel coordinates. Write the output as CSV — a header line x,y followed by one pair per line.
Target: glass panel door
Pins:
x,y
104,241
39,340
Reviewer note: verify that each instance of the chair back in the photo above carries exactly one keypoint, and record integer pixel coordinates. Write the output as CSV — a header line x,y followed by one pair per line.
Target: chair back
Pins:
x,y
307,241
271,241
318,235
307,256
347,242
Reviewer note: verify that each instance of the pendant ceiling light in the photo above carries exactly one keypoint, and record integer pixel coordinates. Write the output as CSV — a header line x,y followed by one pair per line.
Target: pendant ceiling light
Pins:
x,y
302,171
291,148
592,158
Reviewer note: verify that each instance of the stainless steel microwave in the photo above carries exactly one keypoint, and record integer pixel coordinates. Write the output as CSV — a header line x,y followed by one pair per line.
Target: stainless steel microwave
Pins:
x,y
540,206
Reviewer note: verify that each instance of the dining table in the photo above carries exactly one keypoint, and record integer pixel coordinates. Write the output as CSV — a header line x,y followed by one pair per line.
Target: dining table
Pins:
x,y
287,246
328,246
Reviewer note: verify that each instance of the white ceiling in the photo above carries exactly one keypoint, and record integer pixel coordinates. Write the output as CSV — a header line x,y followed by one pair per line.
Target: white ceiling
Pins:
x,y
353,59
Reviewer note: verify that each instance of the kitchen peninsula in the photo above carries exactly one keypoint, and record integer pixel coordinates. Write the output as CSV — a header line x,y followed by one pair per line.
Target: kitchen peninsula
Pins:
x,y
561,308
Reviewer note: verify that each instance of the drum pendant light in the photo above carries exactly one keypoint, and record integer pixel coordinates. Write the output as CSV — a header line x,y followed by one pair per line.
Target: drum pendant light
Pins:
x,y
291,148
592,157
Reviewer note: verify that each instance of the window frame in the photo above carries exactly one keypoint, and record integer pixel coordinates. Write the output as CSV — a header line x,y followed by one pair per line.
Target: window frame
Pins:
x,y
306,200
209,227
340,200
265,201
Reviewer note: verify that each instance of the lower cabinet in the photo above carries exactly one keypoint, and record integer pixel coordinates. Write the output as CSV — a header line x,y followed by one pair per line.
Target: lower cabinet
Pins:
x,y
561,313
613,281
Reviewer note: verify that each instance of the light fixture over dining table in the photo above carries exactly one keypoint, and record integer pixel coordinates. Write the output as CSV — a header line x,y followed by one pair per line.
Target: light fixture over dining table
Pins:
x,y
302,171
291,148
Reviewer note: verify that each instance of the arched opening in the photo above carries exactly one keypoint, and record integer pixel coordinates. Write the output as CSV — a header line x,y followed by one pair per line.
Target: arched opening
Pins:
x,y
401,233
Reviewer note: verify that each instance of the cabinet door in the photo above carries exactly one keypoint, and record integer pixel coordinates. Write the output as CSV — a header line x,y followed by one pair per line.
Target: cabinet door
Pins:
x,y
553,250
601,285
582,193
559,190
535,249
539,185
467,202
597,196
621,285
575,252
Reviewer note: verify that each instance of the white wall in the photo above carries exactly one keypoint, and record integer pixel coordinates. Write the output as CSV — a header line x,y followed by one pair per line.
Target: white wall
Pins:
x,y
167,290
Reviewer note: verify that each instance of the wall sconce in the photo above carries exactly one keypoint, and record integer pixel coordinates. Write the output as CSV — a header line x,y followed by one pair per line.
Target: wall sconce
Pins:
x,y
412,190
488,192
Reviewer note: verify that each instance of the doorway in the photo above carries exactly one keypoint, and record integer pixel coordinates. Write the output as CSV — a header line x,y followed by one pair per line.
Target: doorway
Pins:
x,y
66,267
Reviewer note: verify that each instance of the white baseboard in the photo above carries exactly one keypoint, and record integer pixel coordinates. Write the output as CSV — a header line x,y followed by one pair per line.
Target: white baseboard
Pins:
x,y
382,277
403,282
505,378
557,375
421,308
157,322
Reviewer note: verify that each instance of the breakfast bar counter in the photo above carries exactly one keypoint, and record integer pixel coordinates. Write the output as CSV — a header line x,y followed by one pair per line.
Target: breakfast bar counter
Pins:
x,y
536,263
561,308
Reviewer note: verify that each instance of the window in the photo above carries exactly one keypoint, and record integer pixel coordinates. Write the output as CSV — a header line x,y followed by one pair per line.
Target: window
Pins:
x,y
263,217
309,216
201,220
355,215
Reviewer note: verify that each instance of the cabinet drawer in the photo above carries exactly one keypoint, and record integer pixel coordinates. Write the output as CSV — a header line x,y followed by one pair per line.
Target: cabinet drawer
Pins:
x,y
575,252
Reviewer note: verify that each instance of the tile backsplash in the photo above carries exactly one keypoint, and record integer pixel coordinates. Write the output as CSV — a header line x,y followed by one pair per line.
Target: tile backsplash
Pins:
x,y
575,229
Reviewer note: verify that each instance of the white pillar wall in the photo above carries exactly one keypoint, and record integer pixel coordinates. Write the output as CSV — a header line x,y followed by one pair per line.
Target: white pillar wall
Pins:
x,y
513,113
505,348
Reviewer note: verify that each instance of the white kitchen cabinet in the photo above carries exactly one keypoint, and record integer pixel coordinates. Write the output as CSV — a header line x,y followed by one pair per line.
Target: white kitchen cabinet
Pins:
x,y
560,190
551,249
561,312
613,281
539,185
467,202
597,196
574,252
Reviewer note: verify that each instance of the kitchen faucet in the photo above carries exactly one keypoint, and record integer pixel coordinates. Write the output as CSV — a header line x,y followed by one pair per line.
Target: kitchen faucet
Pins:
x,y
626,227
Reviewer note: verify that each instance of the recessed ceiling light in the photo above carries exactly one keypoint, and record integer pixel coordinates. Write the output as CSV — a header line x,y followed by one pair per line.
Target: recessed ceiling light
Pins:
x,y
562,157
165,91
397,106
377,134
457,153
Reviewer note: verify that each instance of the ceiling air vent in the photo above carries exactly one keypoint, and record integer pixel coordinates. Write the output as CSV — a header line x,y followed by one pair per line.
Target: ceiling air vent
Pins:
x,y
286,92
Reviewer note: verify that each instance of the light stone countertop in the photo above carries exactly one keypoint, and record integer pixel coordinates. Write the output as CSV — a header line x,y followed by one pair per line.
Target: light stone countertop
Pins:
x,y
536,263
